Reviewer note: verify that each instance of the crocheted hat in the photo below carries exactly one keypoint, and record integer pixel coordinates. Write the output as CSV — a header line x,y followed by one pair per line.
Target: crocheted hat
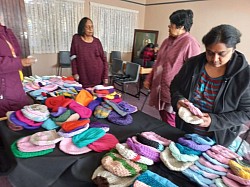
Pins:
x,y
102,112
156,137
93,104
74,132
107,142
193,145
54,102
204,140
115,118
131,155
59,112
17,122
104,178
204,173
84,97
25,145
149,178
238,179
49,124
230,183
22,118
87,137
83,111
45,138
120,166
217,156
71,125
188,117
173,164
10,124
148,142
219,149
239,170
98,124
67,146
126,107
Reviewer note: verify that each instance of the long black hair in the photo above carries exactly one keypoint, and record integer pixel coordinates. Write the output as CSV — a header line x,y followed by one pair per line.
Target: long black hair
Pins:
x,y
81,26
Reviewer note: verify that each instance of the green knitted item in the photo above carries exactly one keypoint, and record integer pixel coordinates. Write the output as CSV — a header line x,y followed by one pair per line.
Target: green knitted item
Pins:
x,y
20,154
63,117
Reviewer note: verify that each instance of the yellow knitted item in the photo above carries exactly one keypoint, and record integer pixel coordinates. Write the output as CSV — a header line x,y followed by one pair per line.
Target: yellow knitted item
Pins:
x,y
239,170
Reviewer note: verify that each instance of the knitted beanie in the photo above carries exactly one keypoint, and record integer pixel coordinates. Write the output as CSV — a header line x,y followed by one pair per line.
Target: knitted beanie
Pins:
x,y
116,164
22,118
239,170
219,182
126,107
49,124
219,149
230,183
17,122
36,112
63,117
54,102
171,163
59,112
191,144
104,178
153,136
204,173
218,157
208,164
10,124
238,179
93,104
19,154
101,112
83,111
197,178
152,179
73,117
148,142
181,157
131,155
67,146
71,125
186,150
115,118
213,161
204,140
87,137
74,132
107,142
143,150
84,97
25,145
209,170
188,117
45,138
116,108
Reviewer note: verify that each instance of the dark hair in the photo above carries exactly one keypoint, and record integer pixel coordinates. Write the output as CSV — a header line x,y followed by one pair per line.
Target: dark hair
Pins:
x,y
81,25
150,45
182,18
226,34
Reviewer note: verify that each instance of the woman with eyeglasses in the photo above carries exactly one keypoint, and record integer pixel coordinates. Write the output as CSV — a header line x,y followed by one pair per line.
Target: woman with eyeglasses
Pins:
x,y
218,83
89,63
172,54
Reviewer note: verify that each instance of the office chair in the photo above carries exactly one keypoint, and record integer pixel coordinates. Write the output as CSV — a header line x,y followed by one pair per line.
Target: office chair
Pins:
x,y
131,76
63,61
115,54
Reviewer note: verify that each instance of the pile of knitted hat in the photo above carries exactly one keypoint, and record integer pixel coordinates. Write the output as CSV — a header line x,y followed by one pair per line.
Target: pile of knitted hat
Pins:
x,y
37,144
127,164
92,136
43,87
29,117
106,92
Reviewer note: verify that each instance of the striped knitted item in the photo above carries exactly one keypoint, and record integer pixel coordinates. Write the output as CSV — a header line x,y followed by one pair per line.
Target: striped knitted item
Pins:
x,y
116,164
148,142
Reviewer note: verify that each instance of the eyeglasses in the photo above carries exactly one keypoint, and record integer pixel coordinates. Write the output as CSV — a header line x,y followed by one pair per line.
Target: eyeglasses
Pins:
x,y
221,53
89,27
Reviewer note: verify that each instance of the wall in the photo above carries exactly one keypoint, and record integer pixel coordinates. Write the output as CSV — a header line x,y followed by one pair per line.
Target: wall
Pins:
x,y
207,14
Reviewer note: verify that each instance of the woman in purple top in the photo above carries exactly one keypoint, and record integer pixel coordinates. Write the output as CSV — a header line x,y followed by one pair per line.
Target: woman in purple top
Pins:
x,y
174,50
89,64
12,95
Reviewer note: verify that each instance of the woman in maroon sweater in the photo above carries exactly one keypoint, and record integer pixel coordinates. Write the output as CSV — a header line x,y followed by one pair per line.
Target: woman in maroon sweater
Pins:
x,y
89,64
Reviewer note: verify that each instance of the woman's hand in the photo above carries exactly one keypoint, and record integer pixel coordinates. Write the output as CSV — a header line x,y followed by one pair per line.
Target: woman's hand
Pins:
x,y
146,85
105,82
207,120
27,61
182,103
76,77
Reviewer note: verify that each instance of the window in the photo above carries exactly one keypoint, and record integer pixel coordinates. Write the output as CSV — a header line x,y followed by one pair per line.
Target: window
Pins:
x,y
52,23
114,26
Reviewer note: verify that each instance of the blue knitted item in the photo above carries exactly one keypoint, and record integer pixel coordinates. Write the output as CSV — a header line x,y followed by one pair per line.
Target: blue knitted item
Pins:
x,y
186,150
209,170
203,140
214,161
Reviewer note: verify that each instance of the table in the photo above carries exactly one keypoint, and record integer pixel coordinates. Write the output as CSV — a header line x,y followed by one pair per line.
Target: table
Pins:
x,y
58,169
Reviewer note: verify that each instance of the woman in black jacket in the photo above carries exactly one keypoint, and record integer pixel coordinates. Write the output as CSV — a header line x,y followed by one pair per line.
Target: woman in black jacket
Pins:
x,y
218,83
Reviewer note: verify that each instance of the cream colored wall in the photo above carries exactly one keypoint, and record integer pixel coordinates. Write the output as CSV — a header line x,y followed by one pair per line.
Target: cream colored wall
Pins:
x,y
47,63
207,14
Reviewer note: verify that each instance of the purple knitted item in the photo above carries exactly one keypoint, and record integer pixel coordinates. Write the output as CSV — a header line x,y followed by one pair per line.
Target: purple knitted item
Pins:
x,y
93,104
126,107
191,144
59,112
14,119
143,150
115,118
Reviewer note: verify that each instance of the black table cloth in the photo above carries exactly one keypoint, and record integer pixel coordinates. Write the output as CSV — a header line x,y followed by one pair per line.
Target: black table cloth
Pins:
x,y
58,169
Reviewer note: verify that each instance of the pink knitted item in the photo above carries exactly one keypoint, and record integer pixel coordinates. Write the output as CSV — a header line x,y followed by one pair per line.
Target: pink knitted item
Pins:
x,y
225,152
138,183
107,142
155,137
238,179
217,156
83,111
67,146
231,183
204,162
25,145
204,173
45,138
194,110
22,118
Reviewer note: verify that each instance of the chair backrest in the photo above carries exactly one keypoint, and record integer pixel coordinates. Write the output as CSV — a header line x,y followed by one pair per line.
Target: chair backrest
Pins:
x,y
117,66
133,70
64,58
115,54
